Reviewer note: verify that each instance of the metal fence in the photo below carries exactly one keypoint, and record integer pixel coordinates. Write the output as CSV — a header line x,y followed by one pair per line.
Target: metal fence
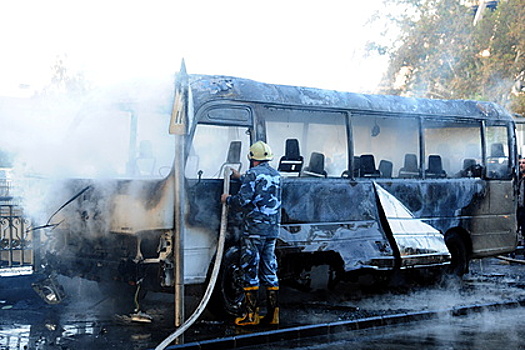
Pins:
x,y
16,242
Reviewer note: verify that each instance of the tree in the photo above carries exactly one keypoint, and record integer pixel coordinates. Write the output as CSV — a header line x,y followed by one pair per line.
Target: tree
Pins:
x,y
442,54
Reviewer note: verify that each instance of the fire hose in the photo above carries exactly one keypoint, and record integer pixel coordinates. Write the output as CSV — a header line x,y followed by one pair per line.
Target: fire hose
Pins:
x,y
215,272
517,261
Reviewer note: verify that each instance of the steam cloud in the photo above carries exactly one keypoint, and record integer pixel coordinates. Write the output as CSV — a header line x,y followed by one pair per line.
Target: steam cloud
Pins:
x,y
53,138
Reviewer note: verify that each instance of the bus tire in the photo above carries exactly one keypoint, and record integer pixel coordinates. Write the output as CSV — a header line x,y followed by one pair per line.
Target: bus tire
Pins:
x,y
459,254
228,295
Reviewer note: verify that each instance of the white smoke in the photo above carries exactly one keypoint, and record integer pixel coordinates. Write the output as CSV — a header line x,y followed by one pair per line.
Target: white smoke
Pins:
x,y
98,135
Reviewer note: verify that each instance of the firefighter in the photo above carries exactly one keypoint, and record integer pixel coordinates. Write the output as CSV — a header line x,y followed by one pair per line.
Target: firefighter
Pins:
x,y
259,200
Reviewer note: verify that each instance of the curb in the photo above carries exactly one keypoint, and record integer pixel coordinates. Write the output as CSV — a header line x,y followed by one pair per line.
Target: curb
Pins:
x,y
325,329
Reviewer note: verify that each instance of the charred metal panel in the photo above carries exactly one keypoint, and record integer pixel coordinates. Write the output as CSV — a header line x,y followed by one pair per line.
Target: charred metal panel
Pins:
x,y
484,209
318,216
325,216
215,88
100,224
125,206
361,244
347,221
418,243
499,228
442,202
327,200
203,221
142,206
204,202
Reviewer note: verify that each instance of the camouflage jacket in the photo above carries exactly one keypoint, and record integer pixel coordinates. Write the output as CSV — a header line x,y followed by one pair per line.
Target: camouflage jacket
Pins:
x,y
259,198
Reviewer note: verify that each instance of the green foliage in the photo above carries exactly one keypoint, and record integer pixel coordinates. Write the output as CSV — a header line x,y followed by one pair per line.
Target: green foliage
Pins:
x,y
442,54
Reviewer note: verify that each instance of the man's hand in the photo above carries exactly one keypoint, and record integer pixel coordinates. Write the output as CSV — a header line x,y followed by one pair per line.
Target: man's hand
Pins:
x,y
235,174
224,196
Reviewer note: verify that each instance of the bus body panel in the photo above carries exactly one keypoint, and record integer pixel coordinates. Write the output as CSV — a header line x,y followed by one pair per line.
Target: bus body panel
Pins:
x,y
418,243
130,213
117,206
464,203
495,232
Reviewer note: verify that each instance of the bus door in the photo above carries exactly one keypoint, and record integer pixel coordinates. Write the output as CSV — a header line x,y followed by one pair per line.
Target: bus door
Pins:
x,y
498,234
213,148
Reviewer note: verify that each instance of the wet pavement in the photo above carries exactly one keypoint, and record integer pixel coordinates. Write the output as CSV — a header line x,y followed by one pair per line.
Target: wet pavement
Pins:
x,y
494,330
96,315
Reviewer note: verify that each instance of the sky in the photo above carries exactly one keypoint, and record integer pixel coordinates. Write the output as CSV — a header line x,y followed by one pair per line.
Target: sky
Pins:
x,y
110,42
306,43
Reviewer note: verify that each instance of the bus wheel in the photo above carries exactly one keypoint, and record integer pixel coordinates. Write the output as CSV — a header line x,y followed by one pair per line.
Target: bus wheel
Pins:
x,y
458,251
228,295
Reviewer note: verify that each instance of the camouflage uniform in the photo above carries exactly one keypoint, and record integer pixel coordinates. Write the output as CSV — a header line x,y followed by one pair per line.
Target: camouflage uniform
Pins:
x,y
259,198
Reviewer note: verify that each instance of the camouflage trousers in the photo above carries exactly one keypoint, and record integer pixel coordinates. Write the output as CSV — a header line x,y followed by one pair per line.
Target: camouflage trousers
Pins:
x,y
258,261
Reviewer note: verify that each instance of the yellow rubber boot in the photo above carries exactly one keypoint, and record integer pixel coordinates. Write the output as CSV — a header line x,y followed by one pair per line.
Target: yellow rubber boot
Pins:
x,y
251,317
272,306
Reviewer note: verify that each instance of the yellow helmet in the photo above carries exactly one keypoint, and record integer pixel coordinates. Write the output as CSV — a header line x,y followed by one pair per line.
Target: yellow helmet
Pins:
x,y
260,151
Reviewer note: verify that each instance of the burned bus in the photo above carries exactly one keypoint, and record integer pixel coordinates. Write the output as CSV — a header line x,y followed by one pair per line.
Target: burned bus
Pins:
x,y
370,183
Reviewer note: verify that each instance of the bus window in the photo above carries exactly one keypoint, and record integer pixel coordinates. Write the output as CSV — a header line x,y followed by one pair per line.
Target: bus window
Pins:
x,y
211,149
115,142
497,160
381,140
452,148
520,135
321,139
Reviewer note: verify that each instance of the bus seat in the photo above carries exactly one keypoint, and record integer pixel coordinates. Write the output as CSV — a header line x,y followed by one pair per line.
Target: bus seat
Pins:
x,y
385,168
233,157
292,161
497,163
470,168
234,152
435,167
316,165
410,168
368,166
496,150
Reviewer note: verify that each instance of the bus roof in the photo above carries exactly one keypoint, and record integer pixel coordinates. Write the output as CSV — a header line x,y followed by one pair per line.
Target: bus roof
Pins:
x,y
207,88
